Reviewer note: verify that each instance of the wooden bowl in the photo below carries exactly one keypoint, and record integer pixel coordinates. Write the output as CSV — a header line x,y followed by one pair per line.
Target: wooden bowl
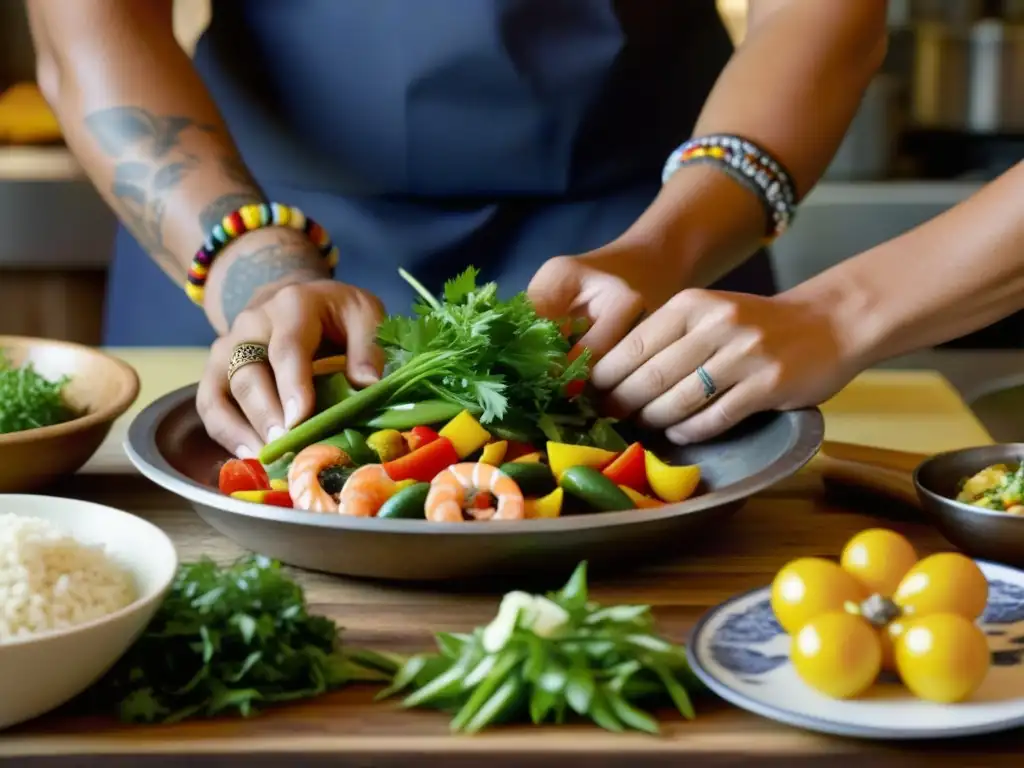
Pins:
x,y
101,388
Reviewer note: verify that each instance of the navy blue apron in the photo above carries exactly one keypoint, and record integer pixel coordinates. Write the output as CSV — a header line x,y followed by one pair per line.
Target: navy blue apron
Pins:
x,y
435,134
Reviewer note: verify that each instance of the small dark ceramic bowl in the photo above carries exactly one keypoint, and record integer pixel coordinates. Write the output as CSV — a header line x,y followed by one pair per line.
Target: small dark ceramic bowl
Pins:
x,y
982,533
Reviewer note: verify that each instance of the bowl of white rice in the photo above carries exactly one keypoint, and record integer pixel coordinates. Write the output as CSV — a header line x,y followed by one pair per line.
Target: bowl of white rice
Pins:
x,y
78,584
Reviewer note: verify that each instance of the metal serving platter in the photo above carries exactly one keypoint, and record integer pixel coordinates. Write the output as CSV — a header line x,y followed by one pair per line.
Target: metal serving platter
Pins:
x,y
168,444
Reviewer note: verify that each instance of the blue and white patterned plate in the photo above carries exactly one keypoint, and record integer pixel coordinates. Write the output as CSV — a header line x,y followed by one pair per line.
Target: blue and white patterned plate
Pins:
x,y
741,653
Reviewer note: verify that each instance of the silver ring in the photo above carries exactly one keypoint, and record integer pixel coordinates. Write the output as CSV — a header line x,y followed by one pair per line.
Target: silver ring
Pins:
x,y
707,381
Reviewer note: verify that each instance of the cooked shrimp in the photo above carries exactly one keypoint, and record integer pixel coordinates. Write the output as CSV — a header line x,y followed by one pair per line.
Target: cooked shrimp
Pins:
x,y
304,477
366,491
454,491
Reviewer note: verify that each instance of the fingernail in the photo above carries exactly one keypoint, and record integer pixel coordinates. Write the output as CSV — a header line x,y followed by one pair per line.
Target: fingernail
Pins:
x,y
291,413
369,373
677,436
273,433
243,452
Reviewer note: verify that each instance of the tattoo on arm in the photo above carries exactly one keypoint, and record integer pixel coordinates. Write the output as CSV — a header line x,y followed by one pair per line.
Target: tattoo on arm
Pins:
x,y
151,164
250,272
215,212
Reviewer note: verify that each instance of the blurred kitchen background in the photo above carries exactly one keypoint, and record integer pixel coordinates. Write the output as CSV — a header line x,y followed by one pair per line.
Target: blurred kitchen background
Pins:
x,y
945,115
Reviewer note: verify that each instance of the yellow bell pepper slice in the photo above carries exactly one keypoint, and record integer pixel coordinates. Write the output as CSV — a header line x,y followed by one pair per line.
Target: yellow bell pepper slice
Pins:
x,y
671,484
529,458
388,444
404,484
494,453
546,506
641,501
466,434
328,365
256,497
563,456
278,484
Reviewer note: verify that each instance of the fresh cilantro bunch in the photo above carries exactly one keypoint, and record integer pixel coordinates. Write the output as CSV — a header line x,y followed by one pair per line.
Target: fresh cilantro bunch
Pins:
x,y
497,358
509,361
543,658
228,640
28,399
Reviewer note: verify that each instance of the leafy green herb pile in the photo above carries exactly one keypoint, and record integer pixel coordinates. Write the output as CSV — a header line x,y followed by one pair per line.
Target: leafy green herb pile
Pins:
x,y
496,358
547,657
28,399
229,639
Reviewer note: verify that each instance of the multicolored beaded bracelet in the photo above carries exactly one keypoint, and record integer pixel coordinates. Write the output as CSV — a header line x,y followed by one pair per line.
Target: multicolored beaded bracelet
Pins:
x,y
751,166
246,219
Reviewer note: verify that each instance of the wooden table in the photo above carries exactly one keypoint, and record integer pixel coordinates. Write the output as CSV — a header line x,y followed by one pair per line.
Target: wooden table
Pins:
x,y
348,728
897,410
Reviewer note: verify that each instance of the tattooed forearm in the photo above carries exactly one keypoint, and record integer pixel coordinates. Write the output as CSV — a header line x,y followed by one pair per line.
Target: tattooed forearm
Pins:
x,y
215,212
277,264
153,160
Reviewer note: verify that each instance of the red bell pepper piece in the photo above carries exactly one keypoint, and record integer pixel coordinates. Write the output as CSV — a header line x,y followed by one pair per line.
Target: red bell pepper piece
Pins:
x,y
242,475
423,464
517,450
629,469
417,437
575,388
278,499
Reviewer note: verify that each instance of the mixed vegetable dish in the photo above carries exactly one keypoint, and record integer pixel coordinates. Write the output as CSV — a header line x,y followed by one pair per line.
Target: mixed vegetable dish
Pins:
x,y
997,487
29,400
482,414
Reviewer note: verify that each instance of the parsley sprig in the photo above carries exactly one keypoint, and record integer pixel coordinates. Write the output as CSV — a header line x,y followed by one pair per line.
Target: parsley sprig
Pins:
x,y
29,400
544,658
230,640
497,358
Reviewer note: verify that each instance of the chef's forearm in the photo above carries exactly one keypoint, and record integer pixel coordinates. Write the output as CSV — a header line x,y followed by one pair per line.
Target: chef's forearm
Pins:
x,y
139,119
948,277
792,87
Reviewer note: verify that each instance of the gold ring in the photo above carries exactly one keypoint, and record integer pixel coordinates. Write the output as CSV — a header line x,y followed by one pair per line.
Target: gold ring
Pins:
x,y
244,354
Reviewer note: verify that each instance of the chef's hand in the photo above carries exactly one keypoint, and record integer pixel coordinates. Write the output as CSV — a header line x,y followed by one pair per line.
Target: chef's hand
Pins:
x,y
760,353
278,295
611,287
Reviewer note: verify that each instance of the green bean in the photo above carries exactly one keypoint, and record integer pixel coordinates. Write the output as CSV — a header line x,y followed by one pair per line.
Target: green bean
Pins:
x,y
408,415
352,442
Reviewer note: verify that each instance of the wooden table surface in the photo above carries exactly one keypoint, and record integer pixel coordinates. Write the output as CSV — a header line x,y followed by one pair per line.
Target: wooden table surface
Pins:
x,y
348,728
912,411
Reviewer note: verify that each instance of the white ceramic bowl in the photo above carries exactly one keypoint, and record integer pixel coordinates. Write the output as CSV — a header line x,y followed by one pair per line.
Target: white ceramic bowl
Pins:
x,y
40,673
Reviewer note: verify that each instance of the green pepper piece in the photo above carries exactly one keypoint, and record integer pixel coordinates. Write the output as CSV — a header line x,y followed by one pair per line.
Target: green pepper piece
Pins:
x,y
331,389
408,415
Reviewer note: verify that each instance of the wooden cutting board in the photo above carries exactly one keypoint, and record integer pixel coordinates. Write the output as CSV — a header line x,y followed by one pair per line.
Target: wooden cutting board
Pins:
x,y
915,411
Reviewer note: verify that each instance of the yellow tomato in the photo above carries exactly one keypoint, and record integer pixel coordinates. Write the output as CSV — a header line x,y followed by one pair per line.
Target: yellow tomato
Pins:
x,y
944,583
810,586
879,558
837,654
942,657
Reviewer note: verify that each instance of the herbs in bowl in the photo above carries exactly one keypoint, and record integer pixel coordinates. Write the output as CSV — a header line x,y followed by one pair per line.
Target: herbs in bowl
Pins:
x,y
29,400
58,401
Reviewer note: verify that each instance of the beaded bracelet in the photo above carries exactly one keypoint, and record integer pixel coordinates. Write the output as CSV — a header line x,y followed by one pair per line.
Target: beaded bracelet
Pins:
x,y
751,166
246,219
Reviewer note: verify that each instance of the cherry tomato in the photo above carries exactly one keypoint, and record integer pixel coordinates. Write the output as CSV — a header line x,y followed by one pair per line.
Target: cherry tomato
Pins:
x,y
942,657
242,475
838,654
944,583
810,586
879,558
